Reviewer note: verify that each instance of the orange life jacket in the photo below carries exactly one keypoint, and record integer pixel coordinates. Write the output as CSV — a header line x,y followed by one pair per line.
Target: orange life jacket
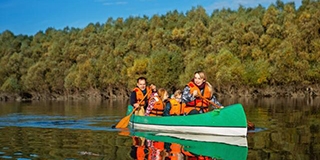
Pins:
x,y
140,95
175,149
187,153
176,107
141,155
158,145
158,107
140,148
198,103
190,156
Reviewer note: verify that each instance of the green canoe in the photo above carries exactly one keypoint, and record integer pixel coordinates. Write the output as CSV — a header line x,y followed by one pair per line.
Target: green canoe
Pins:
x,y
219,147
228,121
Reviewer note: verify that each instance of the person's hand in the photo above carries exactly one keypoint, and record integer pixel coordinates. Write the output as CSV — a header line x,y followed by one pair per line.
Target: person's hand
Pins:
x,y
195,93
153,87
136,105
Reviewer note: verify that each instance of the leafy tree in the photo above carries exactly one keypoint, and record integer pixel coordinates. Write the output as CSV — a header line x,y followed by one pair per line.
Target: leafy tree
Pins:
x,y
138,69
11,85
193,61
224,69
279,45
257,72
288,65
164,68
35,79
6,42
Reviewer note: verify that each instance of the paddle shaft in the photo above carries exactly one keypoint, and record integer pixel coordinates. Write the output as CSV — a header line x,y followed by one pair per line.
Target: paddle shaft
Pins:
x,y
214,104
144,97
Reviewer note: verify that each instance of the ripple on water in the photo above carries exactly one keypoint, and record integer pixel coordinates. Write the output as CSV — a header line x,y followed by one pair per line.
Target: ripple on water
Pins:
x,y
6,157
257,129
18,154
34,155
56,122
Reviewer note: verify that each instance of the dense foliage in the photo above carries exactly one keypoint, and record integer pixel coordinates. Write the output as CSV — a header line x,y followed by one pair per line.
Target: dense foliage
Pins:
x,y
278,45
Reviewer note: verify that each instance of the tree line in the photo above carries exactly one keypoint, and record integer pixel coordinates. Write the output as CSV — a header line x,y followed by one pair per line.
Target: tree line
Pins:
x,y
257,47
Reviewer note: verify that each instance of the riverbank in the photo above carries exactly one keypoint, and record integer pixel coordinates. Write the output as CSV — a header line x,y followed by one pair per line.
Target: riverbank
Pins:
x,y
294,91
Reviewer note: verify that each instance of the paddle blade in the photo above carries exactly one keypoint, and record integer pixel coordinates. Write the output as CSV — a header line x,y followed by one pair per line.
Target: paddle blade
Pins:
x,y
123,123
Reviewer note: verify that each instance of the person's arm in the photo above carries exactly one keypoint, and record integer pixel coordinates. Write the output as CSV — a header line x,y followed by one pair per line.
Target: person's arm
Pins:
x,y
186,96
153,88
214,100
133,98
152,94
150,106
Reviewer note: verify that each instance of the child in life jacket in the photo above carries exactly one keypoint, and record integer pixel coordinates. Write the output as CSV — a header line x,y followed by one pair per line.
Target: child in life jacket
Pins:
x,y
173,105
156,103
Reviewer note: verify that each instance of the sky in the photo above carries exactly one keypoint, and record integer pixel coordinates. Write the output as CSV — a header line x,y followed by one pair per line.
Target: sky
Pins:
x,y
28,17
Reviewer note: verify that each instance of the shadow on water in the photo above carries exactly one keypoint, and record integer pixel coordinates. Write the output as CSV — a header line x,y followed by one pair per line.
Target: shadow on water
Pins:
x,y
256,130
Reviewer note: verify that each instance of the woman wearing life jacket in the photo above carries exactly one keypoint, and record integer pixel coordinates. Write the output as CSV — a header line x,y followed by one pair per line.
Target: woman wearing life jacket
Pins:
x,y
196,95
156,103
139,93
173,106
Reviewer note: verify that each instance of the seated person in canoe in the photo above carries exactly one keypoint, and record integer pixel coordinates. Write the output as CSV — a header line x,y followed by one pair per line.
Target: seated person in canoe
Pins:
x,y
198,95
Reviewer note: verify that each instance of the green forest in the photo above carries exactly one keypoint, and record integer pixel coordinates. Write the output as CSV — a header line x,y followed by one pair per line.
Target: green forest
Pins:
x,y
253,47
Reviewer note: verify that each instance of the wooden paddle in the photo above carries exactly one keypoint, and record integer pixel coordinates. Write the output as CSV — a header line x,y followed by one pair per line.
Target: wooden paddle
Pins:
x,y
217,106
250,125
123,123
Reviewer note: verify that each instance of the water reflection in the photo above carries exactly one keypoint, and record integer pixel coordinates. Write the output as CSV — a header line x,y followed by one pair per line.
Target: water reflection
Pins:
x,y
148,145
50,143
286,129
293,127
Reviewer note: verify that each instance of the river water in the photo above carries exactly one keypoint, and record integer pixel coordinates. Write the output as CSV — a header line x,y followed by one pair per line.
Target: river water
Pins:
x,y
285,129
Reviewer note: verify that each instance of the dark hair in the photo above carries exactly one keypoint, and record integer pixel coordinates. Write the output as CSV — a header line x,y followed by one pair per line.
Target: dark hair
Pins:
x,y
141,78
